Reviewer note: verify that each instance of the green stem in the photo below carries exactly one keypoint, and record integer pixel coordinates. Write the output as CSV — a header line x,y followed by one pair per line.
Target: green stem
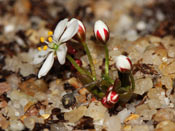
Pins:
x,y
106,60
132,81
90,60
77,67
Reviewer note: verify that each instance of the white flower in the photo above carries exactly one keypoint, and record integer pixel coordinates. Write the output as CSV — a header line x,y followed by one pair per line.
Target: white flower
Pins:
x,y
123,63
63,32
101,31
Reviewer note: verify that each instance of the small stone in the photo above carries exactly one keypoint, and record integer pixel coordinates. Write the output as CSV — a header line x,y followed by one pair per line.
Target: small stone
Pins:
x,y
29,122
13,80
155,93
124,22
127,128
76,114
131,35
9,28
112,123
45,116
20,97
141,25
58,127
167,81
157,98
123,114
16,125
145,112
96,110
150,57
165,126
154,103
3,104
3,122
140,128
164,114
4,87
20,64
132,117
102,8
168,69
32,86
143,85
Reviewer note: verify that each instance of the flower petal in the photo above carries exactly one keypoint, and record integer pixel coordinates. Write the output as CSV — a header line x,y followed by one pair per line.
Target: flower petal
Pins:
x,y
39,56
60,29
70,31
61,53
79,22
70,22
47,65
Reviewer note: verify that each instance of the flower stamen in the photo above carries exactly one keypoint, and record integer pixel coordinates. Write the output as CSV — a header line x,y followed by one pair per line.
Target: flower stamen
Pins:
x,y
39,48
45,47
50,39
42,39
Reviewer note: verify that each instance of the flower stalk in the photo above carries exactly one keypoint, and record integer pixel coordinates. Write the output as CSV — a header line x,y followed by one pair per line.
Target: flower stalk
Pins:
x,y
77,67
106,61
90,59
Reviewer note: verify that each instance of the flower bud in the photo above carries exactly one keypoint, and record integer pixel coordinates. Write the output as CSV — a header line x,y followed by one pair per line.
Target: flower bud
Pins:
x,y
81,34
79,62
123,63
101,31
112,97
104,102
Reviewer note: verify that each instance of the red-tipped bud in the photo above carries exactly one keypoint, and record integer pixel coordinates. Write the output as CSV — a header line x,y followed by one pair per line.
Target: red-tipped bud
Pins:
x,y
101,31
110,88
123,63
112,97
79,62
81,34
104,102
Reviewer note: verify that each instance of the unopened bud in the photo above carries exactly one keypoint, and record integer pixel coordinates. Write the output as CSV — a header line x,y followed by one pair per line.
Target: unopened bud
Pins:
x,y
101,31
112,97
123,63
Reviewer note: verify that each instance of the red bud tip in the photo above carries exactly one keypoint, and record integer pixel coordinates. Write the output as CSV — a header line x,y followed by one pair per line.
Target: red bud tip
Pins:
x,y
81,34
104,102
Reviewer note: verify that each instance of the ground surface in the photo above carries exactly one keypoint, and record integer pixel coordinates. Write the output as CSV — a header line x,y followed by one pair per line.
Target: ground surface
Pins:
x,y
142,29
